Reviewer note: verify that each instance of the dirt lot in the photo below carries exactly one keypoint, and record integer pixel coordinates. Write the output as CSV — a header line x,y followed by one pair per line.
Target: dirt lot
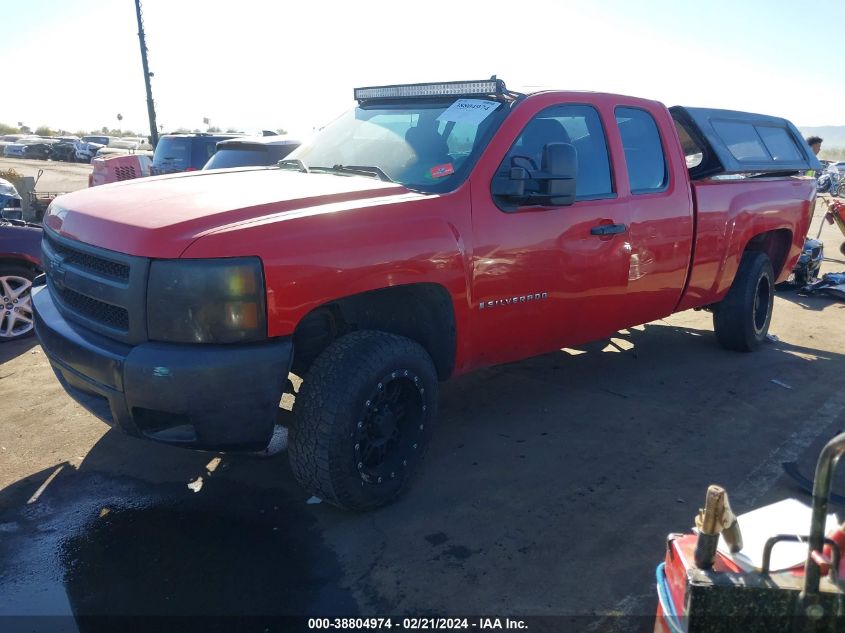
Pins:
x,y
549,489
57,176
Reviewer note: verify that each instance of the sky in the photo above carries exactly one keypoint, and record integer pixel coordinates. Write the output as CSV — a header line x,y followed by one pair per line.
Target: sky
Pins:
x,y
255,64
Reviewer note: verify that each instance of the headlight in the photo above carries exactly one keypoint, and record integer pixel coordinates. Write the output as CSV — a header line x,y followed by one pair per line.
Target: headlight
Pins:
x,y
206,301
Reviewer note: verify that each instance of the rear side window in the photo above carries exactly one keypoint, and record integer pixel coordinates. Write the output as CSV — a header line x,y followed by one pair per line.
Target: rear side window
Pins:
x,y
579,125
741,139
204,149
779,142
747,141
643,151
173,153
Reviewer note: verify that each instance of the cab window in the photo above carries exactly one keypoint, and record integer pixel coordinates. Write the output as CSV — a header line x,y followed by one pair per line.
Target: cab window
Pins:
x,y
578,125
643,151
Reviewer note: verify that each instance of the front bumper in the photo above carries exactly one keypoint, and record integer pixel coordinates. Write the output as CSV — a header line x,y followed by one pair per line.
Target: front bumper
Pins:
x,y
219,397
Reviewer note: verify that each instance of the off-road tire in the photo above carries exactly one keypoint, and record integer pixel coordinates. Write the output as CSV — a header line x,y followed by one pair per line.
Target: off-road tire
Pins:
x,y
335,400
741,320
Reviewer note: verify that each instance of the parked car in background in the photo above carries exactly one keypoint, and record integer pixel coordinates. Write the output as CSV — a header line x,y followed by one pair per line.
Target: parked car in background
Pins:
x,y
89,145
97,139
8,139
41,149
258,150
185,152
10,201
20,263
65,149
18,149
124,146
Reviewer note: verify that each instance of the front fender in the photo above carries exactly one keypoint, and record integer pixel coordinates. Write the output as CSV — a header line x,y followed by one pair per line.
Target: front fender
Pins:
x,y
339,250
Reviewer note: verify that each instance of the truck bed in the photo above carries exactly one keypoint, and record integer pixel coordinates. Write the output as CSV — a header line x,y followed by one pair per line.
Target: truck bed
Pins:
x,y
728,214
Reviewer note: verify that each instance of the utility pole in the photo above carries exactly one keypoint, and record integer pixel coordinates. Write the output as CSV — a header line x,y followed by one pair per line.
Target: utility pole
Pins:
x,y
151,110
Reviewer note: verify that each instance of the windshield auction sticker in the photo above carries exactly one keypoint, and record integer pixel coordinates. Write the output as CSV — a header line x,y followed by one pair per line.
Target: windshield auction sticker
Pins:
x,y
439,171
468,111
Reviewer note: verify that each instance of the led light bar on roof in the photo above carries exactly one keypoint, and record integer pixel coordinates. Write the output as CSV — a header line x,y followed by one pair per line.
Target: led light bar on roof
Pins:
x,y
443,89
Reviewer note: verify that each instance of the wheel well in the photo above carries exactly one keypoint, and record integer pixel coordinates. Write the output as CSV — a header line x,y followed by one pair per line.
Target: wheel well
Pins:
x,y
775,244
14,261
420,312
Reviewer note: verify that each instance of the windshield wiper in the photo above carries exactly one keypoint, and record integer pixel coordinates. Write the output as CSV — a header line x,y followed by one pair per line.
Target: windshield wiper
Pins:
x,y
293,162
359,170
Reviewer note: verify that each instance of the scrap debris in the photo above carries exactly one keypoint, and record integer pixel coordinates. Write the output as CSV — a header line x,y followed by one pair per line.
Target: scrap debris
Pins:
x,y
832,284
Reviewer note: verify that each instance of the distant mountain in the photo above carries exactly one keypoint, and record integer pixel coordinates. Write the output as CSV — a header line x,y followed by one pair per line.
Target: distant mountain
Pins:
x,y
833,135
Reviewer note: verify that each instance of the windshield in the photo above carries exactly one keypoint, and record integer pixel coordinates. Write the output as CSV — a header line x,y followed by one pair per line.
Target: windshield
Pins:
x,y
423,145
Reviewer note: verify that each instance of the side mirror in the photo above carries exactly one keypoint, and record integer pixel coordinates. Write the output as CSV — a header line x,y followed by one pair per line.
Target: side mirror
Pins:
x,y
560,164
511,185
552,184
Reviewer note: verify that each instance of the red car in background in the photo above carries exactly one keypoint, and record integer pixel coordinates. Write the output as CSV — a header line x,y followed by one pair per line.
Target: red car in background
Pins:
x,y
20,263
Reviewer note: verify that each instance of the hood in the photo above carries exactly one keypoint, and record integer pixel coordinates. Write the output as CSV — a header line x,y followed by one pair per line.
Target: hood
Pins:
x,y
161,216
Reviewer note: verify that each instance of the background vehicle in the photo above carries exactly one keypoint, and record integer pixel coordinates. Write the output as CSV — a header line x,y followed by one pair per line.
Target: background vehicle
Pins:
x,y
88,146
124,146
809,262
28,147
185,152
65,150
830,180
20,263
9,139
41,150
433,230
10,201
258,150
119,167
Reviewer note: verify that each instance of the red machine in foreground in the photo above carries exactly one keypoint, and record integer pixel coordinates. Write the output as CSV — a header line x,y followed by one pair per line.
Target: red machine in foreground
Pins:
x,y
700,589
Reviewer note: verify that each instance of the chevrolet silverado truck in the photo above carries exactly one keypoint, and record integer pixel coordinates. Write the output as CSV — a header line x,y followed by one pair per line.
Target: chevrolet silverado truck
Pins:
x,y
432,230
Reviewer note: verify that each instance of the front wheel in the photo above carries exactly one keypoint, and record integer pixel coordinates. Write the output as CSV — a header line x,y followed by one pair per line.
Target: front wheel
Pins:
x,y
741,320
363,419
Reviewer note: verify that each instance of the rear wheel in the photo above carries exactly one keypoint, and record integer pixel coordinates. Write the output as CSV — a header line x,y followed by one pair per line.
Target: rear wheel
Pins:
x,y
741,320
16,314
363,419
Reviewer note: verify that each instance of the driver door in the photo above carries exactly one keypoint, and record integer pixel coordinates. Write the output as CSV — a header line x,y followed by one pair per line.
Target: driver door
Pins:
x,y
544,277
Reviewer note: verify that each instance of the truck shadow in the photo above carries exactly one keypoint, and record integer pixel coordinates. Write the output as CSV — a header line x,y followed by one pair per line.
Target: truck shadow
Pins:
x,y
815,302
13,349
530,459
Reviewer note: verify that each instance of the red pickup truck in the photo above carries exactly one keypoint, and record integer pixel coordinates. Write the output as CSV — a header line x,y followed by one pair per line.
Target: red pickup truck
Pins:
x,y
432,230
